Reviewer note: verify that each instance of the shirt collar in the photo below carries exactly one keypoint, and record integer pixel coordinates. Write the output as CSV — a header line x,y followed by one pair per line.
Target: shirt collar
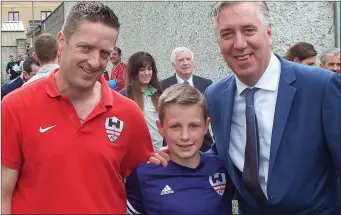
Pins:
x,y
269,79
47,68
181,81
52,91
150,91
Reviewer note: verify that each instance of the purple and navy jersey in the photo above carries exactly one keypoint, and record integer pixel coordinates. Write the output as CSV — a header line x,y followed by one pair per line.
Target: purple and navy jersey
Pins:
x,y
176,189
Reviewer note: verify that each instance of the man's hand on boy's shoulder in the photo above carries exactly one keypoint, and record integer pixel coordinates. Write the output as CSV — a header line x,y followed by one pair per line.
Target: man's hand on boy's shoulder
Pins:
x,y
162,157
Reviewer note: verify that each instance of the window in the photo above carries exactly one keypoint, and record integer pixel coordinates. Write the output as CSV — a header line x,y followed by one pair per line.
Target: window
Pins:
x,y
44,14
13,16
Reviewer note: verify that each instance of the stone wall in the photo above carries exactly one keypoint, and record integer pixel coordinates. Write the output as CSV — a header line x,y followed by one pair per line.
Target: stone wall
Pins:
x,y
159,27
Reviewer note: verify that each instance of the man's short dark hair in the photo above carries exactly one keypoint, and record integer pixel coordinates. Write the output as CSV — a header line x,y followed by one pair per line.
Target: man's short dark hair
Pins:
x,y
119,51
27,66
88,11
46,48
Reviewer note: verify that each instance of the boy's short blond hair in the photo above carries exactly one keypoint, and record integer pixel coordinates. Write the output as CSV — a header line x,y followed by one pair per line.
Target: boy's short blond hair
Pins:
x,y
181,94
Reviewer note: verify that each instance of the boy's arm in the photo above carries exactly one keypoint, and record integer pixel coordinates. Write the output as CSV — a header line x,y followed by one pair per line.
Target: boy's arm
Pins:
x,y
134,195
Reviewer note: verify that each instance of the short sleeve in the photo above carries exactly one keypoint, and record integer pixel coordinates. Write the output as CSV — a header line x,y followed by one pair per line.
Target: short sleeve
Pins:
x,y
10,137
139,146
134,195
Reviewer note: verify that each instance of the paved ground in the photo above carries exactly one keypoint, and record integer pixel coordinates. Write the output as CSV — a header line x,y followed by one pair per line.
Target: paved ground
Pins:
x,y
234,207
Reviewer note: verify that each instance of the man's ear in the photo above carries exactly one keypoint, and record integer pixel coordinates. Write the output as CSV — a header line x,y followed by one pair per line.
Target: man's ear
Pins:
x,y
35,56
173,65
297,60
26,75
61,40
160,128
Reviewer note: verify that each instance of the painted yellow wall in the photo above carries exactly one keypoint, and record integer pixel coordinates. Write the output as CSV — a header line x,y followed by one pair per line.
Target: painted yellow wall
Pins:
x,y
25,9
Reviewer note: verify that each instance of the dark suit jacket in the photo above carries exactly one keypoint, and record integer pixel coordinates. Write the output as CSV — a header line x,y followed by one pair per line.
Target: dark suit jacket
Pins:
x,y
305,148
10,86
201,84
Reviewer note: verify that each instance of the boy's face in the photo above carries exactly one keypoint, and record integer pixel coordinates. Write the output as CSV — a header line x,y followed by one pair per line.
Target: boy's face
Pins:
x,y
184,128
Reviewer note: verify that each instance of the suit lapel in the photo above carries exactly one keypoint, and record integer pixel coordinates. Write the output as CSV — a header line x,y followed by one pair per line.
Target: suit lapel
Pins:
x,y
173,80
196,83
227,102
285,96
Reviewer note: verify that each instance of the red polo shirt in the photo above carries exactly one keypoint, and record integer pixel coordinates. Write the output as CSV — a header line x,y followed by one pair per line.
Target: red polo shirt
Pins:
x,y
118,73
65,166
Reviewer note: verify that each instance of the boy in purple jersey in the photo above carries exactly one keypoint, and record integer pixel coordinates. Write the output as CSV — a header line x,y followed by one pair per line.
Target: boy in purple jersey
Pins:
x,y
193,182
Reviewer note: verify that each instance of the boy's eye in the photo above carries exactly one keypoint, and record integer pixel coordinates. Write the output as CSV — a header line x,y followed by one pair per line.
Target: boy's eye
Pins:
x,y
84,47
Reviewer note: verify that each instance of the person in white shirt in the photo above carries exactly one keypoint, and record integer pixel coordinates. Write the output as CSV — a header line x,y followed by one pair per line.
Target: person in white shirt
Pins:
x,y
46,53
182,59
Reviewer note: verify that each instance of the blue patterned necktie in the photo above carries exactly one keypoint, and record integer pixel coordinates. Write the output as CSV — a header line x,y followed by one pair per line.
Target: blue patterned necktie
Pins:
x,y
251,160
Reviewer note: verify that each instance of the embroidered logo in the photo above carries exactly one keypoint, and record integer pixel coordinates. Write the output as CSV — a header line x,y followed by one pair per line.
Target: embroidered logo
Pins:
x,y
113,128
167,190
218,182
43,130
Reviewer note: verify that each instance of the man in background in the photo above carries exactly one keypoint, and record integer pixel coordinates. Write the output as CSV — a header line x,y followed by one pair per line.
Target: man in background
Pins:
x,y
30,68
10,68
330,59
182,59
117,73
46,53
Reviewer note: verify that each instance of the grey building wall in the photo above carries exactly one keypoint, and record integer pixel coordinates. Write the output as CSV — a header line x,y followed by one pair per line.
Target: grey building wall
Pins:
x,y
159,27
54,22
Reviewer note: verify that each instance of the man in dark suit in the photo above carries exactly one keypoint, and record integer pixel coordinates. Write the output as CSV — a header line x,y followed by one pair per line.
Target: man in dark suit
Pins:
x,y
276,123
183,63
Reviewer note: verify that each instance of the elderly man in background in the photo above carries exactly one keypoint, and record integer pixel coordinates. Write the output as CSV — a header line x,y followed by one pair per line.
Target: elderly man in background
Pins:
x,y
330,59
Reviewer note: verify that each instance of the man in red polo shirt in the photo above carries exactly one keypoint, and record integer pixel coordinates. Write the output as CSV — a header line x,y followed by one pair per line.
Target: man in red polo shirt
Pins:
x,y
68,139
118,71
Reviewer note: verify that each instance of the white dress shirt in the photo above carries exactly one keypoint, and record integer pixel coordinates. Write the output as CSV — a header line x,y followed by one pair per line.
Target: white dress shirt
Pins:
x,y
180,80
265,103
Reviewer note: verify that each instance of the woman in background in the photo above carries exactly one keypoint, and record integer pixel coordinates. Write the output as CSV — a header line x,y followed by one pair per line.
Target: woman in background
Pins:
x,y
303,53
143,87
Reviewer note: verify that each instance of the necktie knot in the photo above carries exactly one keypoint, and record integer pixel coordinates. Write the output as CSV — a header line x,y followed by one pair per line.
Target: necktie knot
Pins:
x,y
186,82
249,95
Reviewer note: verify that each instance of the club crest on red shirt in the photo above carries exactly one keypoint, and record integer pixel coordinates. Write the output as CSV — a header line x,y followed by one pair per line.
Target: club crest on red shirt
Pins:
x,y
113,128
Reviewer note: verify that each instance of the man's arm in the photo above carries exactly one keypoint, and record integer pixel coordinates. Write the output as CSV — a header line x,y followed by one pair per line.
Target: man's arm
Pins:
x,y
120,78
9,180
139,147
8,67
331,116
11,157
